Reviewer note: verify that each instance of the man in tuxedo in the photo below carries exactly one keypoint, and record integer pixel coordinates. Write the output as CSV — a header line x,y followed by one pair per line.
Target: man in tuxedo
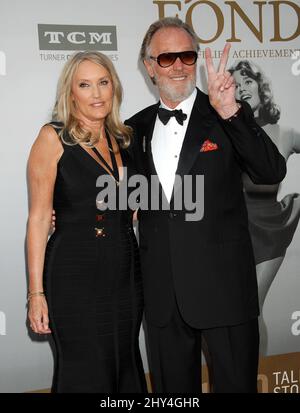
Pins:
x,y
199,276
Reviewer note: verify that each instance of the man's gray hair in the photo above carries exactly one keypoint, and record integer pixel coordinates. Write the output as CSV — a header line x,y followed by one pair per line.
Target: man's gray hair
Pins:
x,y
163,24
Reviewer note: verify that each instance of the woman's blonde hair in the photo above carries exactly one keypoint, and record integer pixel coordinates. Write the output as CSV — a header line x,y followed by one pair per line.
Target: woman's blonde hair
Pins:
x,y
64,111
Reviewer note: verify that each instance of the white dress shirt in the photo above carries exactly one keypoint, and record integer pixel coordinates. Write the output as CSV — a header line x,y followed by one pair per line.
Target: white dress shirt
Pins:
x,y
167,142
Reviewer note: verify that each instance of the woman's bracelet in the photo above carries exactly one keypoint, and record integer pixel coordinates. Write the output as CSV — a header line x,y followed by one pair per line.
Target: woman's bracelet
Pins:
x,y
33,294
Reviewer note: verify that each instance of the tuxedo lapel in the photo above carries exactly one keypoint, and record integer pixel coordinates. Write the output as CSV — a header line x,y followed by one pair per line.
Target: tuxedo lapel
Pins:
x,y
148,139
202,119
145,142
150,169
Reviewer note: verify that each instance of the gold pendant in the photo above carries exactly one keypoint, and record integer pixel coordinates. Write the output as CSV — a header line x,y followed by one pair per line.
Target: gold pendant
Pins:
x,y
99,232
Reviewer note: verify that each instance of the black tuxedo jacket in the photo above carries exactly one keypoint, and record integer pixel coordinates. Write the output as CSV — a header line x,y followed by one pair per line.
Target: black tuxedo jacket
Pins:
x,y
206,265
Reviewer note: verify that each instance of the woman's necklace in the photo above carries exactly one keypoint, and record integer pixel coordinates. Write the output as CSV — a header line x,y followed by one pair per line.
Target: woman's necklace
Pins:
x,y
113,171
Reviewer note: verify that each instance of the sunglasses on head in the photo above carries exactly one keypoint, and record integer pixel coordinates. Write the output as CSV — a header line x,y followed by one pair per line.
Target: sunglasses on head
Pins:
x,y
168,59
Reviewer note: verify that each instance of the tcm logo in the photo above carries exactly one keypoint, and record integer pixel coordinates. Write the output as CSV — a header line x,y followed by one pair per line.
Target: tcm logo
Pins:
x,y
2,64
2,324
296,325
69,37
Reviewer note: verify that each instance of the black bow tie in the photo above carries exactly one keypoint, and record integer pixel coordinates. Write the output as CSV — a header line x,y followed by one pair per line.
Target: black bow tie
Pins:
x,y
165,114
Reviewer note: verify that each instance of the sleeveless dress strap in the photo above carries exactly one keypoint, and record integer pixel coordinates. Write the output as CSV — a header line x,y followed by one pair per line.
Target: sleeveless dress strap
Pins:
x,y
56,125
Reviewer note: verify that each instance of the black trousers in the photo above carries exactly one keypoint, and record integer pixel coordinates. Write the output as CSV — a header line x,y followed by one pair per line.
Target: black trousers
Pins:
x,y
175,357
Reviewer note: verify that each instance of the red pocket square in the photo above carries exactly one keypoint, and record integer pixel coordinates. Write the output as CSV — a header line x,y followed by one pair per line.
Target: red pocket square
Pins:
x,y
208,146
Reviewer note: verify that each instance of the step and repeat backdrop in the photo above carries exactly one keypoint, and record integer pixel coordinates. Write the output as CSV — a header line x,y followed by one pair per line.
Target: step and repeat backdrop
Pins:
x,y
37,38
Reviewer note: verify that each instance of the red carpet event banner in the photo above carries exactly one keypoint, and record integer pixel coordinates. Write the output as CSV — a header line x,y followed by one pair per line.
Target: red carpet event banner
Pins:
x,y
37,38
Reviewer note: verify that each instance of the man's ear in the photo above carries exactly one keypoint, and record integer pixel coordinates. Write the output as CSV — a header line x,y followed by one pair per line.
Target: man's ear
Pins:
x,y
149,68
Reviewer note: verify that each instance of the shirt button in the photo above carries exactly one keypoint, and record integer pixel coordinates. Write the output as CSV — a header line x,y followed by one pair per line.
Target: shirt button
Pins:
x,y
175,133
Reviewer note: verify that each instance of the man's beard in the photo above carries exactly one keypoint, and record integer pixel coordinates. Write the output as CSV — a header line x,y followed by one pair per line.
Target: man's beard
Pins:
x,y
171,93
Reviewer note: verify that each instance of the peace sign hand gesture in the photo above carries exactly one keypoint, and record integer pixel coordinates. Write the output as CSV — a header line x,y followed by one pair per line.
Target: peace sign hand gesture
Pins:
x,y
221,85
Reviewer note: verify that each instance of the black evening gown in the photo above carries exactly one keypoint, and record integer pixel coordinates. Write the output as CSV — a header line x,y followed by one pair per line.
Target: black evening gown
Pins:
x,y
93,283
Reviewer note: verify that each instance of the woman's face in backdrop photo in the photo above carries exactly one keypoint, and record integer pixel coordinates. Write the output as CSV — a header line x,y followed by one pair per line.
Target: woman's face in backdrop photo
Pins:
x,y
247,90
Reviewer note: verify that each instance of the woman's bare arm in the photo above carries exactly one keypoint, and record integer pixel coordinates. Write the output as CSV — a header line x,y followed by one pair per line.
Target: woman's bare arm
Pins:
x,y
42,168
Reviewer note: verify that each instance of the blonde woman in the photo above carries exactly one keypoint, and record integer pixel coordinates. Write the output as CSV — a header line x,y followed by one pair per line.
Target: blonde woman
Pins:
x,y
85,282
